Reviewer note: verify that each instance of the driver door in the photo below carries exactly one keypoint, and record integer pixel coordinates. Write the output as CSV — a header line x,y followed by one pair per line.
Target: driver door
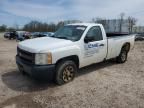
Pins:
x,y
95,47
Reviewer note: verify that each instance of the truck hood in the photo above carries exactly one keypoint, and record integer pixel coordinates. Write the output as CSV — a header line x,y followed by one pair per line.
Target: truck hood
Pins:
x,y
44,44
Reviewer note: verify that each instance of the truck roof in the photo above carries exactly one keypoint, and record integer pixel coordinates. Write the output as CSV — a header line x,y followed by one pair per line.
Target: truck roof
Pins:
x,y
86,24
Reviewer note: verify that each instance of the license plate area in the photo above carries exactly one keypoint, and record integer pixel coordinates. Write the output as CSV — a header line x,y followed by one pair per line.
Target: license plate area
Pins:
x,y
21,68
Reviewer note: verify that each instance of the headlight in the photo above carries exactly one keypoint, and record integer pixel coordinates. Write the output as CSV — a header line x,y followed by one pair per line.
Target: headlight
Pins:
x,y
43,59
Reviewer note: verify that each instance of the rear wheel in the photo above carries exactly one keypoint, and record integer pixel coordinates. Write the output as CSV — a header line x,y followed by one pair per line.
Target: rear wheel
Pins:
x,y
123,56
65,72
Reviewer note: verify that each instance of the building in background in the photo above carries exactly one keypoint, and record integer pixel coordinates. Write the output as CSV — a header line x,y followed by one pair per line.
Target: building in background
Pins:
x,y
116,25
138,29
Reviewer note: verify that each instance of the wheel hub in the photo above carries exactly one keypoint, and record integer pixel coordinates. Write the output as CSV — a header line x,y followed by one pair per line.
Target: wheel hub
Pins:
x,y
68,73
123,56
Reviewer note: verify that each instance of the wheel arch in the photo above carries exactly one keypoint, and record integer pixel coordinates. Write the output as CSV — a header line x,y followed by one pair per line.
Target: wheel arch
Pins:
x,y
74,58
126,46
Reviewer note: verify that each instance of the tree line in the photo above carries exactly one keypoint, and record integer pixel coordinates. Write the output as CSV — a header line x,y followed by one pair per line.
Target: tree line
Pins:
x,y
43,27
37,26
4,28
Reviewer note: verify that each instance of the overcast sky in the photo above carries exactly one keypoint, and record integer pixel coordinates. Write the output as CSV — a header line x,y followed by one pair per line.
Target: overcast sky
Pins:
x,y
22,11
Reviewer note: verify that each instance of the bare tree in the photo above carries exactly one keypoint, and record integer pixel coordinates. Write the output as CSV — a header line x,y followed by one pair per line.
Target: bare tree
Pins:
x,y
94,20
131,22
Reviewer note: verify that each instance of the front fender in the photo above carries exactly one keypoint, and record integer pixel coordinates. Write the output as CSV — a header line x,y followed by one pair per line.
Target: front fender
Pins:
x,y
60,53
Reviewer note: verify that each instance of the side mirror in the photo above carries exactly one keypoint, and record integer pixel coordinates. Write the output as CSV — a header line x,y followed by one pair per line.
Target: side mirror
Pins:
x,y
88,39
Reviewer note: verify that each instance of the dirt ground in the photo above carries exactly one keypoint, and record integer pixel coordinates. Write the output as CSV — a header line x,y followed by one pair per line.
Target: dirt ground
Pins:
x,y
104,85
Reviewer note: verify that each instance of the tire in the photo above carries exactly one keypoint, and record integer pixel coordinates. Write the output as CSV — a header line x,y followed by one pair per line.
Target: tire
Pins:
x,y
65,72
122,58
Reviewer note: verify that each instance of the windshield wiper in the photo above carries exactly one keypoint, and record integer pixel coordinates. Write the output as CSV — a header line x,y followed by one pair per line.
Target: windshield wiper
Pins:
x,y
61,37
53,36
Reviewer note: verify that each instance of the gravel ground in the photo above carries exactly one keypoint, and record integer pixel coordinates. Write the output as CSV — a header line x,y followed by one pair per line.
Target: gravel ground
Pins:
x,y
103,85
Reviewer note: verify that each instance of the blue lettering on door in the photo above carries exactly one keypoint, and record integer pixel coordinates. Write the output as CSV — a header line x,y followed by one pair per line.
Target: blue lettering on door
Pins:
x,y
92,45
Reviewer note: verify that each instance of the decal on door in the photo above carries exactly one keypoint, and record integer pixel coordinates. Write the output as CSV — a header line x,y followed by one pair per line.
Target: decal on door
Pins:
x,y
91,49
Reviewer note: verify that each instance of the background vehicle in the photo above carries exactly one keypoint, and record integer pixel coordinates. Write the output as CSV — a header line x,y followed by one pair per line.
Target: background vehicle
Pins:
x,y
6,34
34,34
139,37
72,47
46,34
41,34
12,35
50,33
23,35
27,35
20,35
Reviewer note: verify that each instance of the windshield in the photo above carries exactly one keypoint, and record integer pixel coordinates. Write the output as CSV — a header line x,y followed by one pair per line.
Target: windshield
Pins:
x,y
70,32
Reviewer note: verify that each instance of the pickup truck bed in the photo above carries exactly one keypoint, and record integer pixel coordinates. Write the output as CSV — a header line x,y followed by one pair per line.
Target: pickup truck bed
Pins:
x,y
116,34
115,44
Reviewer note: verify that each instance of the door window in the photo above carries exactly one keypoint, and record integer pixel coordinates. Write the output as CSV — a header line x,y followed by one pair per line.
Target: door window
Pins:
x,y
94,34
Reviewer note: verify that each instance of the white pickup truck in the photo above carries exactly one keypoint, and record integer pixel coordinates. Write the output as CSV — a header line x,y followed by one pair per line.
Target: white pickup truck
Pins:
x,y
72,47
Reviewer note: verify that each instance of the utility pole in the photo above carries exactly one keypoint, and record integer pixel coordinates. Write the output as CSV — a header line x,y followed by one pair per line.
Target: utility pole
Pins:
x,y
121,22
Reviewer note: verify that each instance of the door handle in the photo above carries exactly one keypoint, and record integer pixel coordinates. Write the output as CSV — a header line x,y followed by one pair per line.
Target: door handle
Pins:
x,y
101,45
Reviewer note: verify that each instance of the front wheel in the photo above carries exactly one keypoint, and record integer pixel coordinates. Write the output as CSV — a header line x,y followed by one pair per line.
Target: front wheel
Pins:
x,y
122,57
65,72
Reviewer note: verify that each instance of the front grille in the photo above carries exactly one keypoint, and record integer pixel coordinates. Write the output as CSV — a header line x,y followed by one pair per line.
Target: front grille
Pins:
x,y
25,55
